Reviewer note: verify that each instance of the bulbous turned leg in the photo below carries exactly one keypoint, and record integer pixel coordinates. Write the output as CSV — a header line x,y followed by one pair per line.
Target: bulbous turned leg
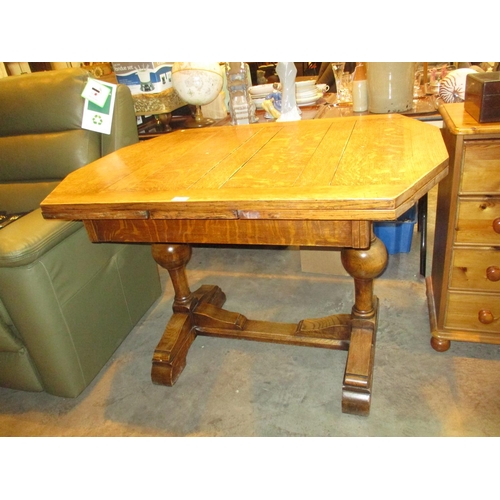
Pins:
x,y
440,345
363,266
174,259
169,358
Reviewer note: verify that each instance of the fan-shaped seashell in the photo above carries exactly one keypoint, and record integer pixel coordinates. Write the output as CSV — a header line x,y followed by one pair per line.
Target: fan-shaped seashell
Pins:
x,y
452,86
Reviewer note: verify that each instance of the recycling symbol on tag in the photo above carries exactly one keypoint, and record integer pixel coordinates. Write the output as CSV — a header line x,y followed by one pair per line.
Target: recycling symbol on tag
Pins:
x,y
97,120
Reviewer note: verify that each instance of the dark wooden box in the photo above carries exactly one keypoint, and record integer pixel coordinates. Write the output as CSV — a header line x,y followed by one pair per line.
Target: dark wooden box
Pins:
x,y
482,96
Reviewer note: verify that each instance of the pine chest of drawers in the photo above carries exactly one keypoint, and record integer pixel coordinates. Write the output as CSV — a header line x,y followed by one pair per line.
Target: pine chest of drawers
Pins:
x,y
463,290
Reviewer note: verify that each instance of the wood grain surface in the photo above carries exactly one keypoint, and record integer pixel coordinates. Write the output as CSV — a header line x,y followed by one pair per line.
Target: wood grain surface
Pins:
x,y
354,168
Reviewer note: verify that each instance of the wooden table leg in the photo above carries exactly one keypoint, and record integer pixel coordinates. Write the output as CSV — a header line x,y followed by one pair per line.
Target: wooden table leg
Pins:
x,y
169,358
363,266
201,313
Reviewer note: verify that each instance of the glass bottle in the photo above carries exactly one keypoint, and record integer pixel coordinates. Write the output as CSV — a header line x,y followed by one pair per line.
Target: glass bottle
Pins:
x,y
241,105
360,89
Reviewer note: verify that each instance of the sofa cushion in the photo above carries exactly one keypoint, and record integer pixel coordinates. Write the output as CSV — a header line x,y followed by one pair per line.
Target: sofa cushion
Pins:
x,y
43,94
32,156
17,197
28,163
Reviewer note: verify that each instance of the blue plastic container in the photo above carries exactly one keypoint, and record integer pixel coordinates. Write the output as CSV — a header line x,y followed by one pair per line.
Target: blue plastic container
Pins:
x,y
397,235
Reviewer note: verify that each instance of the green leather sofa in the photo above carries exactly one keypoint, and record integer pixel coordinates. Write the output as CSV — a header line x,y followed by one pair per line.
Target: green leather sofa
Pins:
x,y
66,304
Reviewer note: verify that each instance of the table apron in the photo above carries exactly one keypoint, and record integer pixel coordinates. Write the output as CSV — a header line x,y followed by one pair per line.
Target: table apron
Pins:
x,y
344,233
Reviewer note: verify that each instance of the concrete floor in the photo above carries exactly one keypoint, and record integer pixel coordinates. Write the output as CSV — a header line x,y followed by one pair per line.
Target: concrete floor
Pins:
x,y
241,388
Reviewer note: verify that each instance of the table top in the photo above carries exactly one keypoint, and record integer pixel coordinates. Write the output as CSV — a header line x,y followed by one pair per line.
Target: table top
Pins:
x,y
459,122
424,108
372,167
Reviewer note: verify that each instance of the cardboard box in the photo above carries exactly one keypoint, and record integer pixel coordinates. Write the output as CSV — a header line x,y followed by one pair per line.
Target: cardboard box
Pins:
x,y
396,235
482,96
321,261
144,77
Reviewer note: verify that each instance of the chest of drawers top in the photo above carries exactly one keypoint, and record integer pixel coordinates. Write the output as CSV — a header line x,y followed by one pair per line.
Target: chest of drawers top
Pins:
x,y
459,122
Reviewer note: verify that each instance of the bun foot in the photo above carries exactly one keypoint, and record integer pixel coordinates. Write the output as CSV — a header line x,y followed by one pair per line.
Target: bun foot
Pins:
x,y
440,345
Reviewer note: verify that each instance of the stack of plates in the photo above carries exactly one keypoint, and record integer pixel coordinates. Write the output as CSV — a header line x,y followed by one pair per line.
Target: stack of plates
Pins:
x,y
306,93
259,93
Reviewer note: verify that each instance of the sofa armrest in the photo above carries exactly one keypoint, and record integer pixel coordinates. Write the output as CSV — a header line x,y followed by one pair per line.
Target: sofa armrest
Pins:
x,y
26,239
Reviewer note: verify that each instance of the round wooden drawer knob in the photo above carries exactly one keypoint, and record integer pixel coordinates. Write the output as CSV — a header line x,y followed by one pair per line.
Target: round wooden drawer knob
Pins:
x,y
493,273
485,317
496,225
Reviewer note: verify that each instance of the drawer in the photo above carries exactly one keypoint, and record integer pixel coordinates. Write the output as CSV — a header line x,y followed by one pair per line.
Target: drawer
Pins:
x,y
478,221
475,269
481,168
473,312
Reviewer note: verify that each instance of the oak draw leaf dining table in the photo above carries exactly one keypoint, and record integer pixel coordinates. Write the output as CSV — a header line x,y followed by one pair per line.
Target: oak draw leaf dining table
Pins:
x,y
306,183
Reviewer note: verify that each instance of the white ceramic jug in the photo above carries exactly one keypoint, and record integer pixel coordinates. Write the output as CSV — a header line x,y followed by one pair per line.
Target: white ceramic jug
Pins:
x,y
390,86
